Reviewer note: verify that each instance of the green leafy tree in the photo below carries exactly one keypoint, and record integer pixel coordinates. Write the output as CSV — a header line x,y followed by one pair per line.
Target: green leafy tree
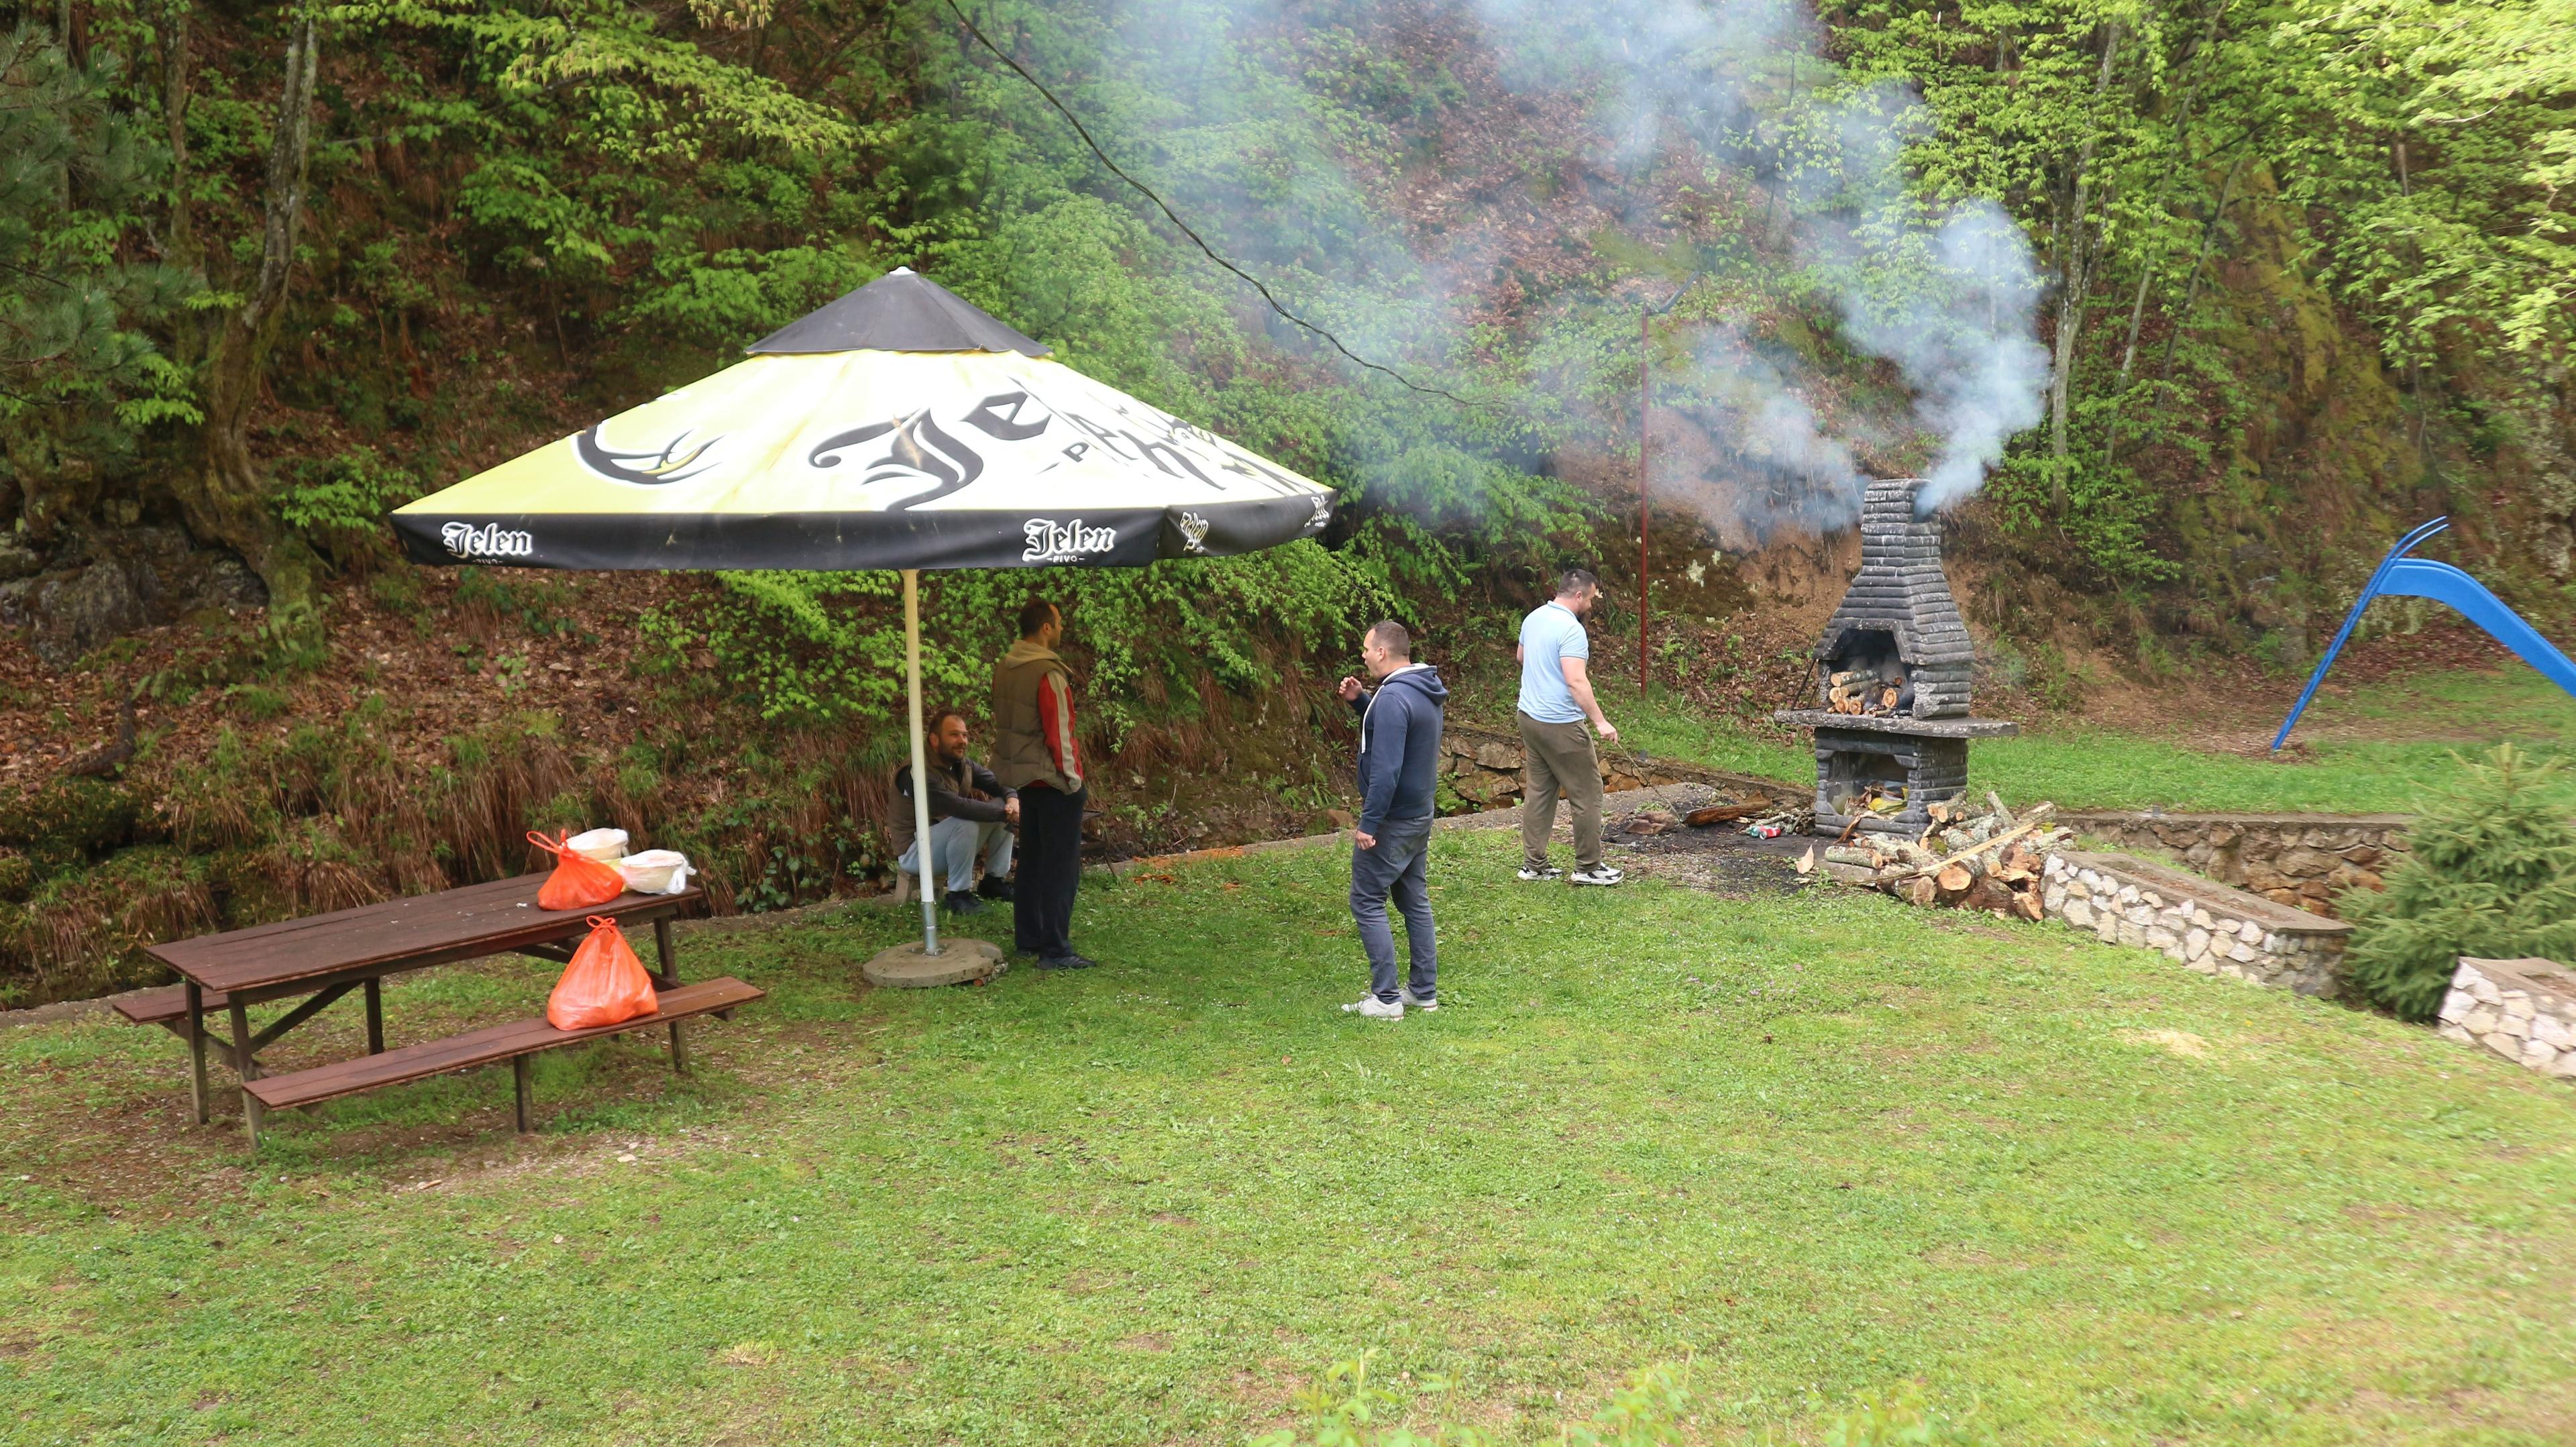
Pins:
x,y
82,378
627,175
2490,871
2437,137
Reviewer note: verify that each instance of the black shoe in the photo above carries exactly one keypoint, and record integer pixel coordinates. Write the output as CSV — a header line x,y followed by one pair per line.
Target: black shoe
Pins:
x,y
1065,962
960,902
995,888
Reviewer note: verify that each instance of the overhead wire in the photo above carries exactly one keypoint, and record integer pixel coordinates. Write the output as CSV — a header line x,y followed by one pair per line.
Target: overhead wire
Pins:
x,y
1201,242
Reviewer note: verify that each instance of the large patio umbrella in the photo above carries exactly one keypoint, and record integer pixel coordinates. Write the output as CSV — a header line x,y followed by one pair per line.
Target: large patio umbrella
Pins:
x,y
899,427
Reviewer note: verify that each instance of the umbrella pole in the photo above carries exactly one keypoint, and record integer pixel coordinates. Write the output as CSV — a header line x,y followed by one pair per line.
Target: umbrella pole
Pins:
x,y
920,763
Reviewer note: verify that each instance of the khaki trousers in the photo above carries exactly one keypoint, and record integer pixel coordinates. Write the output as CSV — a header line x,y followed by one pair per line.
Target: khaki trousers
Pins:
x,y
1559,755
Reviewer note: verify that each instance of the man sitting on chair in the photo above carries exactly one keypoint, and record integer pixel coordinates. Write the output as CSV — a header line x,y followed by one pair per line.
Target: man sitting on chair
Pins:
x,y
971,815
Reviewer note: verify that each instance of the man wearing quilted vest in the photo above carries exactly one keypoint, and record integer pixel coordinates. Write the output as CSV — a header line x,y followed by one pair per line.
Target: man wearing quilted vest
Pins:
x,y
1035,751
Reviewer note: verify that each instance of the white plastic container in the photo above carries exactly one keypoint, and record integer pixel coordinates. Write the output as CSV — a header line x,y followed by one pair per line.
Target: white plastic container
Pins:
x,y
656,871
605,845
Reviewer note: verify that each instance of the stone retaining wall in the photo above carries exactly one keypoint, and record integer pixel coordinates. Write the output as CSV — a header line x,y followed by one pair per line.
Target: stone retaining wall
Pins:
x,y
2300,860
1484,767
2523,1010
2209,927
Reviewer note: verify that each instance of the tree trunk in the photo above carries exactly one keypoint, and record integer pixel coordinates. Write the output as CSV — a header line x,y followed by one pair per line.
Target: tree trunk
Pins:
x,y
225,498
2075,273
175,95
2199,262
2147,271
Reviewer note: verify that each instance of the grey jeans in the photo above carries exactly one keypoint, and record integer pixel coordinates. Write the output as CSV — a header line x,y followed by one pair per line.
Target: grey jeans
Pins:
x,y
1399,867
1559,755
959,845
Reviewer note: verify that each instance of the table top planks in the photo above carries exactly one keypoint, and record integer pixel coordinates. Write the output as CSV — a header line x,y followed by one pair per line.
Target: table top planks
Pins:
x,y
454,924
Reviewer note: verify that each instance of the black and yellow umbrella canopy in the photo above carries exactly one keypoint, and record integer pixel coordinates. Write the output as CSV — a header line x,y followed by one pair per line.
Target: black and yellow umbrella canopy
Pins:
x,y
898,427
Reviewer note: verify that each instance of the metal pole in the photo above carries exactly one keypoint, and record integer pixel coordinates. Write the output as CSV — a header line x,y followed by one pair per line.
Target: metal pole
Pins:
x,y
1645,411
920,763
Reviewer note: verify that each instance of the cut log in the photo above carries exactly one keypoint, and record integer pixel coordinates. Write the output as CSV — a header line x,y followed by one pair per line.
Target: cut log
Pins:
x,y
1989,894
2028,905
1921,890
1720,814
1998,842
1954,879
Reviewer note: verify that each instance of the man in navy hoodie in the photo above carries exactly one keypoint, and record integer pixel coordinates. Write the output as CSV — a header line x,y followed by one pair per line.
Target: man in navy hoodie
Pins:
x,y
1399,756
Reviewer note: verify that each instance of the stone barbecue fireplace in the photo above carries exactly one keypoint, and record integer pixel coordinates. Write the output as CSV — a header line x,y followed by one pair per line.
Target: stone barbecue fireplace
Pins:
x,y
1892,676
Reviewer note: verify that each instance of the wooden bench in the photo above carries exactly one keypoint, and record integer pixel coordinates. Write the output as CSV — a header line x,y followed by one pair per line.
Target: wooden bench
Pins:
x,y
167,1007
515,1042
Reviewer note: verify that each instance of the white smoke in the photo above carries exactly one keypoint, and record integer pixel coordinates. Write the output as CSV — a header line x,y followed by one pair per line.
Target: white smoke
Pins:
x,y
1950,302
1666,99
1960,331
1774,464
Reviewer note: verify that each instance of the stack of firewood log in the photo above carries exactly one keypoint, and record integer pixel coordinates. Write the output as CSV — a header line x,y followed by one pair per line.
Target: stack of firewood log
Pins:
x,y
1967,858
1859,691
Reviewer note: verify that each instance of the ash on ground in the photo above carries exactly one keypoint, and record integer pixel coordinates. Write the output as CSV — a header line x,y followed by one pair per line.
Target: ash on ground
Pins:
x,y
1654,842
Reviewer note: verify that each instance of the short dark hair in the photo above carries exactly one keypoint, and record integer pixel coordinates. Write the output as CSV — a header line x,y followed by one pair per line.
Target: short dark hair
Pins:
x,y
1390,635
1036,614
1576,580
939,718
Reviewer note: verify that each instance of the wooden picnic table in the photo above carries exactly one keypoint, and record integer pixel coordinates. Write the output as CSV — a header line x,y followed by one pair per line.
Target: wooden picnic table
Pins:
x,y
326,956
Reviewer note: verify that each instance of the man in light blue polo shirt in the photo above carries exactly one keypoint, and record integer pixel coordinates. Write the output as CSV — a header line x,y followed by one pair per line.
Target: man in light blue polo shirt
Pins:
x,y
1556,704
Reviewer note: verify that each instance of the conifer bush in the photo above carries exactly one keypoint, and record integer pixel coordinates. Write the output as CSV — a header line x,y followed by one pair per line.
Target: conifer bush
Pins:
x,y
2491,872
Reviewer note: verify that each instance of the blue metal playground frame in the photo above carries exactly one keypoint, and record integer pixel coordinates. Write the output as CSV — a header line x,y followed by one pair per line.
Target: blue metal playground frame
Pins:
x,y
2402,576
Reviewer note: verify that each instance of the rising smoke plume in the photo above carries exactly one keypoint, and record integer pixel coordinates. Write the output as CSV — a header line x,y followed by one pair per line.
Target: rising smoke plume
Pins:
x,y
1949,300
1660,104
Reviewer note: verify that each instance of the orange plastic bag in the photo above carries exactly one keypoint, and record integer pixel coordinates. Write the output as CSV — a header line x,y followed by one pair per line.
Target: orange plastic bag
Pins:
x,y
578,881
604,984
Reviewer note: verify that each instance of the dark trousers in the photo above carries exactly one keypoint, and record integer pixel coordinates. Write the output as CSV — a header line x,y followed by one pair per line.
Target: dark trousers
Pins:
x,y
1398,868
1050,870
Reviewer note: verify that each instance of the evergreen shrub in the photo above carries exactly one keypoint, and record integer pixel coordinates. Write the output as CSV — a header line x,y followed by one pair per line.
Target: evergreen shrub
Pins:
x,y
2491,872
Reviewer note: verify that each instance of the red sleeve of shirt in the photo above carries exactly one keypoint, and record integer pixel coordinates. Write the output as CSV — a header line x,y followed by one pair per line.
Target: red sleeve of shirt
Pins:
x,y
1055,723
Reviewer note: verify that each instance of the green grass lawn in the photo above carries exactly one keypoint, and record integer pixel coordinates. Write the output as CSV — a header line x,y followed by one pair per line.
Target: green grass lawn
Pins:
x,y
1816,1145
2372,749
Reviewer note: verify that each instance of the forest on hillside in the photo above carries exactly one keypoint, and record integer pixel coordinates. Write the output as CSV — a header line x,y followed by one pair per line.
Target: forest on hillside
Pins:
x,y
2187,307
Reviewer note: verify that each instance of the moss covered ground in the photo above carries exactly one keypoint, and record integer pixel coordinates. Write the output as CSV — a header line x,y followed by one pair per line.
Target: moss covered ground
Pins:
x,y
1815,1144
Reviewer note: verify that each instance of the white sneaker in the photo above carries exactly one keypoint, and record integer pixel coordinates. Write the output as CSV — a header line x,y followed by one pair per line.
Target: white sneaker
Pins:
x,y
1601,874
1531,876
1406,996
1373,1008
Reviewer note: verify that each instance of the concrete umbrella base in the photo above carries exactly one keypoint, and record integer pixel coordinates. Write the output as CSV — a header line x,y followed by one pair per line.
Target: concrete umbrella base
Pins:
x,y
905,967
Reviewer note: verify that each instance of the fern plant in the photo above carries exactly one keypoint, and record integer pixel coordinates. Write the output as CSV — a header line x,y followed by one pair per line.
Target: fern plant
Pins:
x,y
2491,872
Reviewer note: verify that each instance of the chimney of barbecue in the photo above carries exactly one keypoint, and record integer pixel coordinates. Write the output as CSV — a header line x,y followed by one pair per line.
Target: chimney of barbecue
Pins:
x,y
1899,604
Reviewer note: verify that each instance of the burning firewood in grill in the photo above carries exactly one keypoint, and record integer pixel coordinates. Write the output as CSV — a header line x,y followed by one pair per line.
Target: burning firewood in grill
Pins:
x,y
1987,859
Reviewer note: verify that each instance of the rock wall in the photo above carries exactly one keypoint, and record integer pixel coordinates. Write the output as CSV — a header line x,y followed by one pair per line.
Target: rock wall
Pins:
x,y
97,587
2209,927
2301,860
2523,1010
